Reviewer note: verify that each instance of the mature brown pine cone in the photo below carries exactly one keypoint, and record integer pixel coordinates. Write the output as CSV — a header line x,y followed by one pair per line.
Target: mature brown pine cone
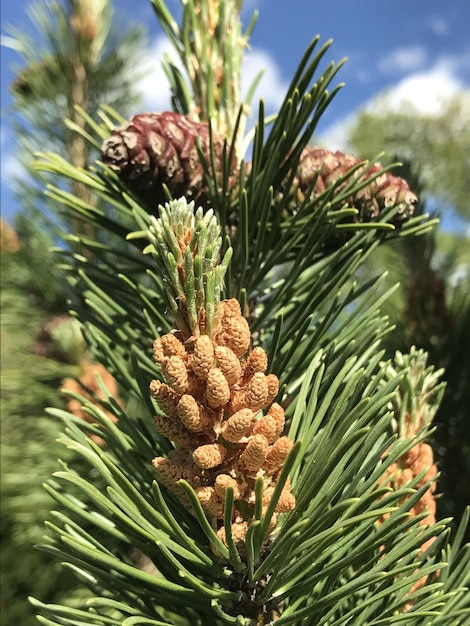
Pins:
x,y
382,193
9,242
153,149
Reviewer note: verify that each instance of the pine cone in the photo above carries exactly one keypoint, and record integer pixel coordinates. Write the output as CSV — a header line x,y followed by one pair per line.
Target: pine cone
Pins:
x,y
380,194
153,149
88,380
9,242
228,422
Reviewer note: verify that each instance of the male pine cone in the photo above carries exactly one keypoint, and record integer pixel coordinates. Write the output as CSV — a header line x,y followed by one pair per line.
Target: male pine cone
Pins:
x,y
217,406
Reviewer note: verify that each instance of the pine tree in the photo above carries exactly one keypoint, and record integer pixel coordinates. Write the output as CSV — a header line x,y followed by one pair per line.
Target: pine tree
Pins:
x,y
268,464
76,57
76,61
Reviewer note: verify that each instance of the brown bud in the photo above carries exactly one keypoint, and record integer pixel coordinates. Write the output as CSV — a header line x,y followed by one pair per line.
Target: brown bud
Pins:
x,y
176,374
426,503
237,425
254,455
203,356
234,331
410,457
158,352
266,426
424,461
277,413
256,393
210,501
222,482
229,308
267,494
192,415
174,430
180,457
169,472
238,533
286,502
209,455
167,346
217,390
257,361
273,387
235,334
277,454
166,398
404,476
229,364
189,471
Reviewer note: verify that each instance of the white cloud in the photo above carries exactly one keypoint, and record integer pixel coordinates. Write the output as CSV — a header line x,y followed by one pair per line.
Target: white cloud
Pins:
x,y
422,93
12,171
272,88
4,134
154,85
404,59
335,136
11,167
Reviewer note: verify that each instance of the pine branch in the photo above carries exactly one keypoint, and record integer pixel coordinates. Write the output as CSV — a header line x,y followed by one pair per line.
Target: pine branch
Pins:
x,y
234,522
341,418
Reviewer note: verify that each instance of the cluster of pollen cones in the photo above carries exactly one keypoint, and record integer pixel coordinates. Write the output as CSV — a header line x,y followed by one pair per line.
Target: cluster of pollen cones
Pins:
x,y
218,407
418,459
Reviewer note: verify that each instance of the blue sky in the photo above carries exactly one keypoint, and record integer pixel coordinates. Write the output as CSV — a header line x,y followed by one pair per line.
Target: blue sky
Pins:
x,y
416,50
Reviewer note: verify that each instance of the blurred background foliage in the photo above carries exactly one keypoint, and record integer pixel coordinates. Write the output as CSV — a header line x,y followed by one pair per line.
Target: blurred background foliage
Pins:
x,y
431,309
30,299
77,57
437,144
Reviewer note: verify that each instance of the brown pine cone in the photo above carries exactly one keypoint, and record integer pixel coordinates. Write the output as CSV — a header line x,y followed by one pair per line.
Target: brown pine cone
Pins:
x,y
153,149
380,194
9,242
